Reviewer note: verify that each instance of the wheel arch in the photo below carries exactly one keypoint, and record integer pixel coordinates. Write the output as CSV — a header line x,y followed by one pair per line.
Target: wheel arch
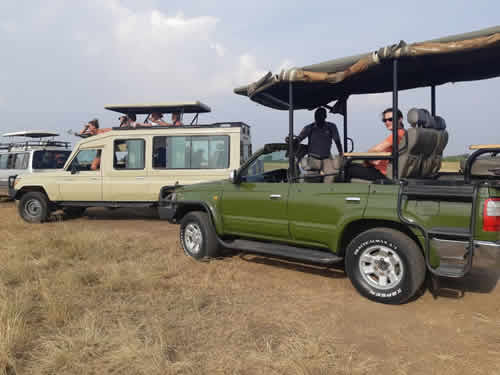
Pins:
x,y
29,189
185,207
359,226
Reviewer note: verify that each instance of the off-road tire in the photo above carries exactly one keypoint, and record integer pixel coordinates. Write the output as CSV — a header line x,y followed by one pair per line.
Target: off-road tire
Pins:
x,y
385,265
74,211
34,207
197,236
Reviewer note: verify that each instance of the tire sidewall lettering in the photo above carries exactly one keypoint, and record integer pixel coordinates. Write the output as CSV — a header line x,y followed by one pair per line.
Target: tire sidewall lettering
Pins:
x,y
376,293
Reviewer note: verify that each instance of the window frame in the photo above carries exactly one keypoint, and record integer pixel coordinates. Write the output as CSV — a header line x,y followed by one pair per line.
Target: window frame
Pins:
x,y
228,138
143,154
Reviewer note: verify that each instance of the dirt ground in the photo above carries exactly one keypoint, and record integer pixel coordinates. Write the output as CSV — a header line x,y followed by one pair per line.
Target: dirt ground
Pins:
x,y
271,300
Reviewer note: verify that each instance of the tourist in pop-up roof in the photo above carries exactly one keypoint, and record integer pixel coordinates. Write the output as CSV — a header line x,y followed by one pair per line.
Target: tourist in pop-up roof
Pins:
x,y
176,119
156,119
92,128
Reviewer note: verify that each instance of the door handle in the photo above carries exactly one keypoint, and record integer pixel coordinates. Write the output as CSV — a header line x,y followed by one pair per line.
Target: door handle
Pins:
x,y
95,178
353,199
275,196
139,178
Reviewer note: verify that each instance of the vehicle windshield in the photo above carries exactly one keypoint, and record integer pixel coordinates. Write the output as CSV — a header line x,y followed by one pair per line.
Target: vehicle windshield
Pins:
x,y
50,159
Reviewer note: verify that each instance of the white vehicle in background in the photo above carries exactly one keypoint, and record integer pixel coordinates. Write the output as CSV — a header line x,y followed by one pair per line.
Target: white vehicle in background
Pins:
x,y
37,152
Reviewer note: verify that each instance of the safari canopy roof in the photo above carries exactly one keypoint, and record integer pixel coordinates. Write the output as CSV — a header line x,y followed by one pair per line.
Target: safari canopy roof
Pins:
x,y
31,134
143,109
464,57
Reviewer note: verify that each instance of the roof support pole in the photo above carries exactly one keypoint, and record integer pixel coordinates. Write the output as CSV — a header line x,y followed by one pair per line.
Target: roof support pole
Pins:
x,y
433,100
291,155
345,126
395,120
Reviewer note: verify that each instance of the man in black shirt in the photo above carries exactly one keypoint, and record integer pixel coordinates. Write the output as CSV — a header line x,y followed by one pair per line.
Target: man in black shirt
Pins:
x,y
320,135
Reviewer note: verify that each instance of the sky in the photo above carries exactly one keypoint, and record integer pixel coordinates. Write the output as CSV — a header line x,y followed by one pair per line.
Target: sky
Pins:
x,y
63,61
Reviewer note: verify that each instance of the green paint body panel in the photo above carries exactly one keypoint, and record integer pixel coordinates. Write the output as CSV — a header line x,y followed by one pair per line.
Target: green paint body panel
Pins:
x,y
316,214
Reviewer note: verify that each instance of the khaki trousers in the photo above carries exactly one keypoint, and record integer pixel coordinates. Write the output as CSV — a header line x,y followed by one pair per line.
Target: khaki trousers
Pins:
x,y
327,166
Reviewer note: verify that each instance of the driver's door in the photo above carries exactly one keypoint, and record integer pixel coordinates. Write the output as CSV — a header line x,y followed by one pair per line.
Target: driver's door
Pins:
x,y
257,205
83,180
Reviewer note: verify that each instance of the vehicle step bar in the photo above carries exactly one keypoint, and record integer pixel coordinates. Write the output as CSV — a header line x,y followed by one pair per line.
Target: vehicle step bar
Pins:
x,y
448,266
284,252
450,232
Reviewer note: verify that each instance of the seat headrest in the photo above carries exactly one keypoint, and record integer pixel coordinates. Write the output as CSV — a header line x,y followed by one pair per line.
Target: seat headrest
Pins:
x,y
440,124
420,118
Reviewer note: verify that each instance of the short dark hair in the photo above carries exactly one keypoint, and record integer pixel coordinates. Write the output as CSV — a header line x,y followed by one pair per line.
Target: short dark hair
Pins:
x,y
132,116
320,114
400,114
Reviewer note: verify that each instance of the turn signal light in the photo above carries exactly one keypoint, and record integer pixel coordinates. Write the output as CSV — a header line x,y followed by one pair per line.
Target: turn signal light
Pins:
x,y
491,215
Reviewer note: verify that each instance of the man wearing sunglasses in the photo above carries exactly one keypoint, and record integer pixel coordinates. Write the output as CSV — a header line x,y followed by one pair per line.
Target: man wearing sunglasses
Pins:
x,y
377,169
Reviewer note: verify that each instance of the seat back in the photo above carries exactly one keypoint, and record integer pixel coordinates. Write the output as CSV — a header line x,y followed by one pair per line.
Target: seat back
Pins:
x,y
431,165
419,143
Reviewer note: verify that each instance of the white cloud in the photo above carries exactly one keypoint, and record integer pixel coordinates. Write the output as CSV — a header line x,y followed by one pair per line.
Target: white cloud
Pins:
x,y
112,53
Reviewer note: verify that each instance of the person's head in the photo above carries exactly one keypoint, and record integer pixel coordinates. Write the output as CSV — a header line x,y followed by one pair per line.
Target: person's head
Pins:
x,y
92,126
387,118
123,120
320,115
176,116
132,116
156,116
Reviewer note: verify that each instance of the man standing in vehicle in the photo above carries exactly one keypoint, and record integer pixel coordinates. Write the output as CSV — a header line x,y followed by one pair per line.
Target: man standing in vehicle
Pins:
x,y
320,135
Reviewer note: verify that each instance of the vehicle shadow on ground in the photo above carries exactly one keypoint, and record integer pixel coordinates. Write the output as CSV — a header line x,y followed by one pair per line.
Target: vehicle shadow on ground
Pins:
x,y
336,272
107,214
110,214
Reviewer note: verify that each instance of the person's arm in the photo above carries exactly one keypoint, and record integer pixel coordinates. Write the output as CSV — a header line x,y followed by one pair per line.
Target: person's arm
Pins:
x,y
336,139
85,129
96,163
304,133
382,146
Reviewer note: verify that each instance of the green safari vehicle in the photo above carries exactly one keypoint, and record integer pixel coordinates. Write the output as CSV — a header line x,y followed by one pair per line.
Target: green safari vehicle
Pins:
x,y
389,234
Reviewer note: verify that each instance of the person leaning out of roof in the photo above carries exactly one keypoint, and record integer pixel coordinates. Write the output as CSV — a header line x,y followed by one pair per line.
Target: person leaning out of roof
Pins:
x,y
155,119
92,128
128,121
377,169
176,119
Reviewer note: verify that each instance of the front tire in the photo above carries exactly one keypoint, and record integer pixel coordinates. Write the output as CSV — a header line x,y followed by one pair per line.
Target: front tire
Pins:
x,y
197,236
385,265
34,207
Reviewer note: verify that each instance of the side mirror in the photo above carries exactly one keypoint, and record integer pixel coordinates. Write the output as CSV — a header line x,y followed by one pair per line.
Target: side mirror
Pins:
x,y
73,169
233,176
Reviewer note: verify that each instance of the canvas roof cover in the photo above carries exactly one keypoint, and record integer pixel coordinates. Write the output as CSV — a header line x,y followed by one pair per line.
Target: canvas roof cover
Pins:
x,y
144,109
464,57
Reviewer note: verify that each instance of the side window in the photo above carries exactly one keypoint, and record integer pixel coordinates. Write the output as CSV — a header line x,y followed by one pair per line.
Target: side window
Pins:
x,y
219,152
271,167
129,154
21,161
4,158
86,160
11,161
196,152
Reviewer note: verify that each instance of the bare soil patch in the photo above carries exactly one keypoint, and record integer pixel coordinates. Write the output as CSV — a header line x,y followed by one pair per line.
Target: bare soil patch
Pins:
x,y
112,292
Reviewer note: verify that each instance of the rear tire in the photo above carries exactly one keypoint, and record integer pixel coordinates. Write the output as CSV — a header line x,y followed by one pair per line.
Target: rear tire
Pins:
x,y
197,236
385,265
34,207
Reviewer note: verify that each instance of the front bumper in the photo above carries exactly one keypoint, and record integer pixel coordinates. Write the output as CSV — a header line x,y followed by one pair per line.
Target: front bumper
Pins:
x,y
167,210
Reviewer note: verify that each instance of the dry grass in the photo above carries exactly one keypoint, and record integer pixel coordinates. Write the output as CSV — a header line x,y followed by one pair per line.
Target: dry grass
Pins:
x,y
118,296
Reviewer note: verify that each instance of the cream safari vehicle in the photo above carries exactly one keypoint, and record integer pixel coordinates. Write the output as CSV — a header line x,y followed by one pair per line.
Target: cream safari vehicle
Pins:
x,y
30,152
127,167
